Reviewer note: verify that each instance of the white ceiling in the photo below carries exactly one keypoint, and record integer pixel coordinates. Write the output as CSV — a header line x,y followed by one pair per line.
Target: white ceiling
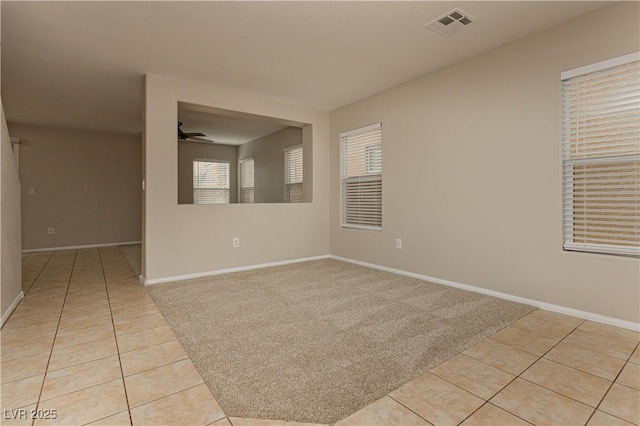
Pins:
x,y
80,64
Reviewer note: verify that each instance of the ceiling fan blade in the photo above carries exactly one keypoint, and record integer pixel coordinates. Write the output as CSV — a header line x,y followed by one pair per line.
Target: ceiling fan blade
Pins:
x,y
194,134
198,139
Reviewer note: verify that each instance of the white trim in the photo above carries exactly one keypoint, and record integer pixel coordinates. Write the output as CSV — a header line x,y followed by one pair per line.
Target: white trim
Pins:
x,y
11,308
80,247
360,227
598,66
542,305
359,130
145,281
603,248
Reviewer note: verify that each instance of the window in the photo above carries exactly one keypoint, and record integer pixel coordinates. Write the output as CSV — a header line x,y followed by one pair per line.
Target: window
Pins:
x,y
293,173
374,159
601,156
210,182
247,190
361,178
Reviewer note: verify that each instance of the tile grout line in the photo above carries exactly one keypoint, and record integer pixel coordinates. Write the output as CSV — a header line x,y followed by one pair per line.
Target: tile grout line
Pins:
x,y
82,389
579,369
500,408
600,353
101,358
164,365
39,273
562,341
30,286
392,398
44,379
497,368
124,385
107,322
158,366
575,327
142,329
612,383
84,362
556,392
487,401
171,394
85,342
532,364
467,390
105,417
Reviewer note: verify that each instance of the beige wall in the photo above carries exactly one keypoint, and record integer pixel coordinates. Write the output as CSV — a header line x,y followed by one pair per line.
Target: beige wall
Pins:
x,y
472,172
190,239
268,154
87,186
189,151
10,244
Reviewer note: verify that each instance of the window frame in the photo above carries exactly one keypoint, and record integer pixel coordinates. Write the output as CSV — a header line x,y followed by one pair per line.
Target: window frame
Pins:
x,y
227,189
373,156
570,163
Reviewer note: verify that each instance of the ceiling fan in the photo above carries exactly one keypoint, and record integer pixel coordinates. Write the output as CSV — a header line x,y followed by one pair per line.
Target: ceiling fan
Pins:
x,y
191,137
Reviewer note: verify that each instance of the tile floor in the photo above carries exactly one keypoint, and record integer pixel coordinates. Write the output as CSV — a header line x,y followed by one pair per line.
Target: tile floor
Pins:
x,y
88,342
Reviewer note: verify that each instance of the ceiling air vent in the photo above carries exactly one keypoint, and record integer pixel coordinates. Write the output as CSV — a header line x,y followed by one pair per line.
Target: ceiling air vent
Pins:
x,y
450,22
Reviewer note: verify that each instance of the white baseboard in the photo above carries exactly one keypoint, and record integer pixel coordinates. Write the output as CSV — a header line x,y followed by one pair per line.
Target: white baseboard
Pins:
x,y
228,270
12,308
538,304
542,305
80,247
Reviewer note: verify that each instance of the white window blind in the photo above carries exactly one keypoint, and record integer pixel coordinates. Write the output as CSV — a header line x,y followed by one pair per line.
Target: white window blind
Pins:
x,y
293,174
361,178
210,182
247,191
601,157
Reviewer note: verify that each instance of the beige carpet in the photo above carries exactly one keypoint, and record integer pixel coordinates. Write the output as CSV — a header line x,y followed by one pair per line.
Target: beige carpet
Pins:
x,y
316,341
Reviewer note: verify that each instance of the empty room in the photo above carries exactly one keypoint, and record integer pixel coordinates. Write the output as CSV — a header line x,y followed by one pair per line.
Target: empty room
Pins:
x,y
320,213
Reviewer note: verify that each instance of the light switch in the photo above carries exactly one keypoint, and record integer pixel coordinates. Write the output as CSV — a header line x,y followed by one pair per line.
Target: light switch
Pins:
x,y
32,191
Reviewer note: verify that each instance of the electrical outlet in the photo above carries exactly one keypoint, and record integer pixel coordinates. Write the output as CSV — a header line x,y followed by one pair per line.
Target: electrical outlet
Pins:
x,y
236,242
398,243
32,191
51,231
